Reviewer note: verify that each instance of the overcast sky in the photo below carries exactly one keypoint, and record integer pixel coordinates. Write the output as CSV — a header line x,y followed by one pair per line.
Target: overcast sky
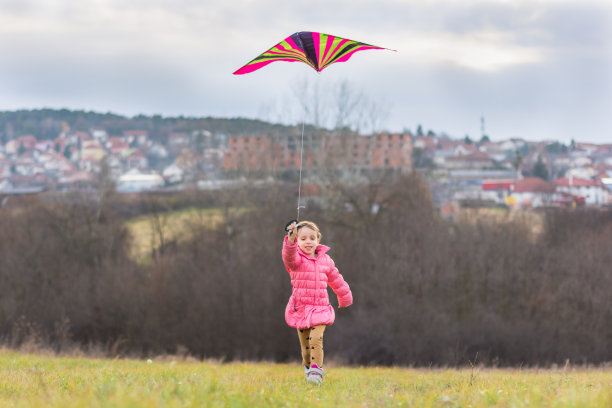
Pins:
x,y
536,69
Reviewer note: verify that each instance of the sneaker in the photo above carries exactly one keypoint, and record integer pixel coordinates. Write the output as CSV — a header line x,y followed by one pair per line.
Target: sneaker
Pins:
x,y
315,375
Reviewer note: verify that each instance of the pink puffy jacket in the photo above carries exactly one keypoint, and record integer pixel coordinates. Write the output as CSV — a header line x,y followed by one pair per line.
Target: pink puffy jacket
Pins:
x,y
309,303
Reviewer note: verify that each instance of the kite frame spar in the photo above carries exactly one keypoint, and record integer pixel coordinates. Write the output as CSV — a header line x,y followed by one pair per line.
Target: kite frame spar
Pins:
x,y
317,50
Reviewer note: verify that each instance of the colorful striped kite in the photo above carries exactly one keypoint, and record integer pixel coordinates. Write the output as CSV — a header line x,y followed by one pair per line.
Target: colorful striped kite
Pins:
x,y
315,49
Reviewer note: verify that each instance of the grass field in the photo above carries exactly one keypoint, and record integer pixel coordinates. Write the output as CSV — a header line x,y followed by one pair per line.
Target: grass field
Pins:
x,y
28,380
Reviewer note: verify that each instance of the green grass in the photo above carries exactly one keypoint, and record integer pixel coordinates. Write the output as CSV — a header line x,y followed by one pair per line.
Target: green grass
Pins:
x,y
28,380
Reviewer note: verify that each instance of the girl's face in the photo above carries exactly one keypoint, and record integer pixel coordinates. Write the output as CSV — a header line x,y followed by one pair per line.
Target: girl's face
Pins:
x,y
307,240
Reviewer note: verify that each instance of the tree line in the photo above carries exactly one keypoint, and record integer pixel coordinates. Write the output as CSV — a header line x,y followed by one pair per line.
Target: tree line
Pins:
x,y
427,291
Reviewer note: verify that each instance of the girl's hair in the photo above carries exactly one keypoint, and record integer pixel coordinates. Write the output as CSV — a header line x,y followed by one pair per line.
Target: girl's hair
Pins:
x,y
312,226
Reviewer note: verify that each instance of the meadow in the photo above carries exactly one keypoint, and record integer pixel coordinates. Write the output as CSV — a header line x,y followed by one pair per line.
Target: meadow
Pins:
x,y
38,380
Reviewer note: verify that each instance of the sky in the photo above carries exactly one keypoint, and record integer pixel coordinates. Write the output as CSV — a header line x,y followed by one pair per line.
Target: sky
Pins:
x,y
533,69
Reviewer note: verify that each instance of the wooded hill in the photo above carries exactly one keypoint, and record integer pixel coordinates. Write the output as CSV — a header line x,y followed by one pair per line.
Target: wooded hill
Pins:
x,y
49,123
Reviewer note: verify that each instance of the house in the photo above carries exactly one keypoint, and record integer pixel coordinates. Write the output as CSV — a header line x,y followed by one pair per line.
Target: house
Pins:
x,y
44,145
99,134
495,151
605,148
212,160
26,142
532,192
519,143
478,175
136,160
27,165
589,148
508,146
158,151
5,184
113,161
79,136
562,160
53,162
581,161
497,190
594,192
425,143
173,174
139,137
463,149
77,180
32,180
135,181
115,164
91,165
446,143
441,155
606,180
93,151
5,167
178,141
581,172
117,145
476,160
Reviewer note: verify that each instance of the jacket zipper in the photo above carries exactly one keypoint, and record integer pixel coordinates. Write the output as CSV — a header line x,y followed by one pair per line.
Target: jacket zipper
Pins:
x,y
316,282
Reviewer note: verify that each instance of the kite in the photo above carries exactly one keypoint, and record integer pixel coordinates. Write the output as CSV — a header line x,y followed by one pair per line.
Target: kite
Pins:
x,y
318,50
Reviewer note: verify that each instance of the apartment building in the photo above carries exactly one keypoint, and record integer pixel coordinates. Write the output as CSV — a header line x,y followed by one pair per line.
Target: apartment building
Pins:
x,y
266,152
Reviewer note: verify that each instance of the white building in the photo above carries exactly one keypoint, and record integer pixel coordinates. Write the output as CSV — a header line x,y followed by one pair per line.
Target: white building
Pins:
x,y
593,192
532,192
173,174
134,181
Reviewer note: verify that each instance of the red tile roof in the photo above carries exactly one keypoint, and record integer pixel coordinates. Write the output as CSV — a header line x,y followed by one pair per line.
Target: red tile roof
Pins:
x,y
494,185
533,185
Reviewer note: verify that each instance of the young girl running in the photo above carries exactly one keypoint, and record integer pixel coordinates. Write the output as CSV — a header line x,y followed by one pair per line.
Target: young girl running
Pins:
x,y
308,310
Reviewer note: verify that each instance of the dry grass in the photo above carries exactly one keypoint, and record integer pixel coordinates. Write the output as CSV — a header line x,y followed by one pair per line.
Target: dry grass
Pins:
x,y
148,232
534,220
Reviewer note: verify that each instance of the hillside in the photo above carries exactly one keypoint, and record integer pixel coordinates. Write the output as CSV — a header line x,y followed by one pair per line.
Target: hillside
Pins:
x,y
48,123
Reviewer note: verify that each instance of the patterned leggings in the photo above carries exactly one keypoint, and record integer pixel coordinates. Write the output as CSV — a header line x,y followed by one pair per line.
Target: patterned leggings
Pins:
x,y
311,341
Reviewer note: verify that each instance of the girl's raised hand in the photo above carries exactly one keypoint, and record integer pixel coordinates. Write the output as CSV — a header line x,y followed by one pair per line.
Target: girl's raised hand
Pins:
x,y
291,229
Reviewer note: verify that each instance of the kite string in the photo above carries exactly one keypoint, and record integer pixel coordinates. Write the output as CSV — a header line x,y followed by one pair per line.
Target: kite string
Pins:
x,y
300,182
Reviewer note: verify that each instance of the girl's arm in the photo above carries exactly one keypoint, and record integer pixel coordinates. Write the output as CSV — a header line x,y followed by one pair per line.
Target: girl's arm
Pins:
x,y
291,258
339,286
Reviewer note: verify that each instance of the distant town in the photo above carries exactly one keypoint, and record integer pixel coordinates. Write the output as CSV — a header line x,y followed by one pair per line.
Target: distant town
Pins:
x,y
60,150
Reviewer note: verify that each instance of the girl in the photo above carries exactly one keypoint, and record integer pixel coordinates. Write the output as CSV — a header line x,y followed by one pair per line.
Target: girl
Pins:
x,y
308,310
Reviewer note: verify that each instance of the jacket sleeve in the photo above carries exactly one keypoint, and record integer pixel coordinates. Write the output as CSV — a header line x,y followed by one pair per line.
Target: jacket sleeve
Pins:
x,y
291,258
339,286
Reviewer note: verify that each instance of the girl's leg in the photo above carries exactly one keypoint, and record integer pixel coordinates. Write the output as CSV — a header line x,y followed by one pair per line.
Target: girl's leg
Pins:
x,y
316,345
304,335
